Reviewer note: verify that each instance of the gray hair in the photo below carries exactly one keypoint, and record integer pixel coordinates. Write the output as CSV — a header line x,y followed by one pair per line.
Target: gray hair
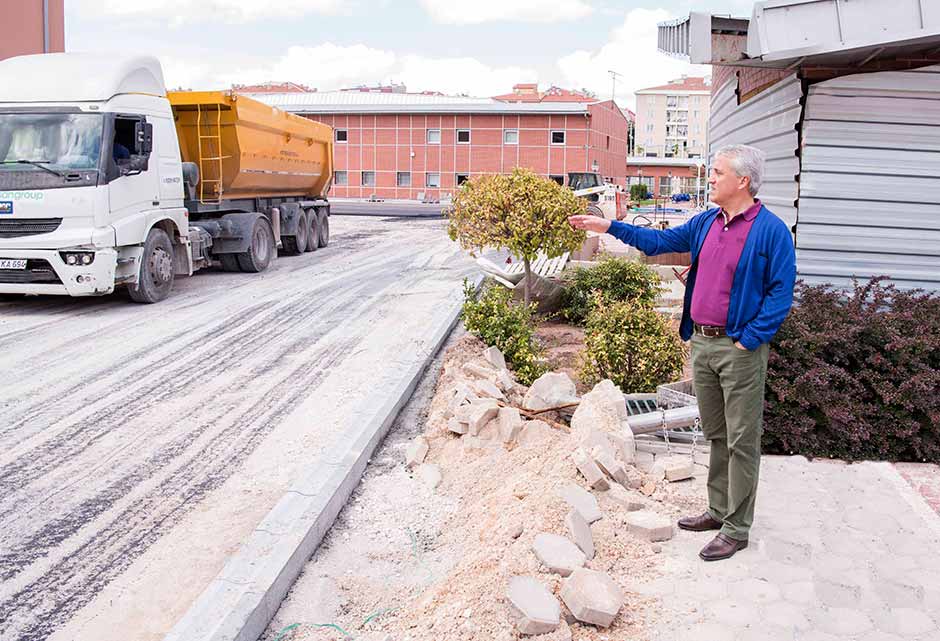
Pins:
x,y
746,161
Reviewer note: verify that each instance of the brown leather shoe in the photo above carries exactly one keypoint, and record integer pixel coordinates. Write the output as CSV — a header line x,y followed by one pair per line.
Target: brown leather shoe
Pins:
x,y
721,547
699,523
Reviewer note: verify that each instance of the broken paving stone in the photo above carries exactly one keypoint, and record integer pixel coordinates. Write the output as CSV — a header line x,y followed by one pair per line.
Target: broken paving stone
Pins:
x,y
623,498
429,474
649,526
487,389
609,465
479,370
551,389
455,426
580,532
510,424
602,408
592,597
481,412
416,451
672,468
581,500
534,608
558,553
590,470
505,380
595,437
625,443
494,357
648,488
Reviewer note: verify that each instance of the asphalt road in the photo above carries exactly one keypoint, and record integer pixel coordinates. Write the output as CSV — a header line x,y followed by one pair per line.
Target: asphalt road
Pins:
x,y
139,445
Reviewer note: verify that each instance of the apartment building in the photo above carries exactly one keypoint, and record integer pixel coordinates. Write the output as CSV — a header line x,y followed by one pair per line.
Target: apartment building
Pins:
x,y
672,119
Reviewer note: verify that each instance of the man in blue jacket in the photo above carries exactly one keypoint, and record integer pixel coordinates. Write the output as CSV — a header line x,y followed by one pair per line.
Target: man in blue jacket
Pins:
x,y
739,290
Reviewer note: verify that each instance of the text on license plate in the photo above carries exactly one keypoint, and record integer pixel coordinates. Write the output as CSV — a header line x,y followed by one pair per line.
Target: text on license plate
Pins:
x,y
12,263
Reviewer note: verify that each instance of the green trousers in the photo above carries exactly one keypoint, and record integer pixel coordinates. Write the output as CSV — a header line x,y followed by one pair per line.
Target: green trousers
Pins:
x,y
729,386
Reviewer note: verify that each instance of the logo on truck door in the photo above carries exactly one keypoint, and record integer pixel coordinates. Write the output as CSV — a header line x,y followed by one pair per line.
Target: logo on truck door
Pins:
x,y
6,207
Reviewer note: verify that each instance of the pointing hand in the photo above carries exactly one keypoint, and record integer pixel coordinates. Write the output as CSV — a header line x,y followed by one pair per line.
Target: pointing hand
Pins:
x,y
589,223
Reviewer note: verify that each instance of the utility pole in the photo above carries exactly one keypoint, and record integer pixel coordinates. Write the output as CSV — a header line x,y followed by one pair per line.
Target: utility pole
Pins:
x,y
613,89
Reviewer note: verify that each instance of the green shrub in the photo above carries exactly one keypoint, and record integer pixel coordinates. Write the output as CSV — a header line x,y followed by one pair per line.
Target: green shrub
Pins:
x,y
632,345
615,279
499,322
639,192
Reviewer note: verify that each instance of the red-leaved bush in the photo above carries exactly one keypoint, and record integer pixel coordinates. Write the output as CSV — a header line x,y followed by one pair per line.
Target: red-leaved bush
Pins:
x,y
856,375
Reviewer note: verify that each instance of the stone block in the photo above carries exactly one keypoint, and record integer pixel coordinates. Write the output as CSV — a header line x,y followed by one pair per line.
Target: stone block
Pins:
x,y
479,370
590,470
649,526
455,426
510,424
551,389
624,499
462,394
558,553
603,408
609,465
505,380
581,500
580,532
487,389
429,474
534,609
592,597
494,358
672,468
480,413
596,437
625,444
416,451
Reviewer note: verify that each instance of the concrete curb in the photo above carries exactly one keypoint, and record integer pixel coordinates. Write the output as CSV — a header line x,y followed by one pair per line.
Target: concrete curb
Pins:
x,y
240,602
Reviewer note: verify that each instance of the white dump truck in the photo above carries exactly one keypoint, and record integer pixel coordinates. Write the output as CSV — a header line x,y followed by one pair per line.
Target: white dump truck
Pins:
x,y
108,180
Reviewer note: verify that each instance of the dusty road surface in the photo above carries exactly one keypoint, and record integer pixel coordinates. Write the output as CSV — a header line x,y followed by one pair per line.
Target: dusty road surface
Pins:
x,y
139,445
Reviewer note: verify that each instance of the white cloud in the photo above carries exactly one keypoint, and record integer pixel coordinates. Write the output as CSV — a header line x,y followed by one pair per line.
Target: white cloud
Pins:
x,y
179,12
631,51
480,11
329,67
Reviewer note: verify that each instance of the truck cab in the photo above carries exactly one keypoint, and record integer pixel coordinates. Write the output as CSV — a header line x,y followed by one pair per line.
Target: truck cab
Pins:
x,y
89,167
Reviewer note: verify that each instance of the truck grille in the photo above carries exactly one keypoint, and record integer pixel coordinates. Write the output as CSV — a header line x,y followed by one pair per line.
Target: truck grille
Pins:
x,y
28,226
37,271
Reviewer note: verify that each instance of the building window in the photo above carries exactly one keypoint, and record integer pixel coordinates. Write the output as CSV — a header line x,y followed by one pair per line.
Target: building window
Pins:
x,y
340,178
462,178
510,136
463,136
608,142
649,126
558,179
558,137
695,100
432,180
434,136
342,135
651,154
664,182
404,179
368,179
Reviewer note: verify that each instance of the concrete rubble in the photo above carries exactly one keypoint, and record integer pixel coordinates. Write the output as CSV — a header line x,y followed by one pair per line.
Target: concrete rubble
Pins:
x,y
672,468
558,553
580,532
649,526
553,389
604,410
510,424
592,597
416,451
625,499
494,358
610,465
487,389
429,474
591,472
581,500
480,413
534,609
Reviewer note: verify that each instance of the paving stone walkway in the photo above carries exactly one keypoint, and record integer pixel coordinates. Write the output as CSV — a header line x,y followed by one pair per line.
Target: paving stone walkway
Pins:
x,y
838,552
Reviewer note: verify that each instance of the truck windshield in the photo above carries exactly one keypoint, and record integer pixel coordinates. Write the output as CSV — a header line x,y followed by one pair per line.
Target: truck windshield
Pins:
x,y
54,141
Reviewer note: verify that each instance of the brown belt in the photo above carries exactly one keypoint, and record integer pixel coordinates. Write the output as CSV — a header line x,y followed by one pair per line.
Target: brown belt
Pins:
x,y
709,331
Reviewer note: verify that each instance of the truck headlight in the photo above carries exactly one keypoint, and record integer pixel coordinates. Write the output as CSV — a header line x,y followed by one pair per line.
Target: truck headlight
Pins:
x,y
78,258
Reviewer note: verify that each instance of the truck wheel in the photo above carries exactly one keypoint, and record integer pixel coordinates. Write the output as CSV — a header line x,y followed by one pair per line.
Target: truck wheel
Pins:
x,y
324,227
155,279
259,253
313,230
229,262
294,245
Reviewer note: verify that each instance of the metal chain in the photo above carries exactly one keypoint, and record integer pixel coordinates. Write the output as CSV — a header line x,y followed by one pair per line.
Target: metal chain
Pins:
x,y
666,433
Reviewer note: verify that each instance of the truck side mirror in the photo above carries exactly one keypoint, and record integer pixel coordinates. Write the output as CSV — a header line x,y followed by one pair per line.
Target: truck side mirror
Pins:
x,y
144,135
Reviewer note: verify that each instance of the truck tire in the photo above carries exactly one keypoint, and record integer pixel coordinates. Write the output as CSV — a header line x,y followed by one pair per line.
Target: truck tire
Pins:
x,y
295,245
313,230
261,249
229,262
155,279
323,225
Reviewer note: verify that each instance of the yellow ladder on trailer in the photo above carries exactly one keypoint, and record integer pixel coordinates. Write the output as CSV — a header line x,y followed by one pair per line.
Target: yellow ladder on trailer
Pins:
x,y
210,160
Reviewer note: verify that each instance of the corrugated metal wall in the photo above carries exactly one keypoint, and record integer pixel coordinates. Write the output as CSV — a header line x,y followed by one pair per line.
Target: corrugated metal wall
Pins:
x,y
870,181
767,121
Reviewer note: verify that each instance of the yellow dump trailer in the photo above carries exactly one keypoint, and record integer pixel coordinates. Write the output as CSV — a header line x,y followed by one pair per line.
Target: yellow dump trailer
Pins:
x,y
247,149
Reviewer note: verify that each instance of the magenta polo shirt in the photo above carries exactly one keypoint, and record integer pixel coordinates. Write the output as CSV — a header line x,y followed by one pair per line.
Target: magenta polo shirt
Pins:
x,y
717,263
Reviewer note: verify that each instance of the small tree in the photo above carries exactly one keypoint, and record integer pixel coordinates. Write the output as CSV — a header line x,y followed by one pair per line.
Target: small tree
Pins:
x,y
522,212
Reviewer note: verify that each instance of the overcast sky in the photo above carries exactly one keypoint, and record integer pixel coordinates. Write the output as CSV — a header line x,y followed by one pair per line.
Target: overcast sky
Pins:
x,y
476,47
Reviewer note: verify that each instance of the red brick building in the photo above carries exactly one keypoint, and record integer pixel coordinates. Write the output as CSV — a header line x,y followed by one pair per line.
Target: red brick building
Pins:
x,y
32,26
405,146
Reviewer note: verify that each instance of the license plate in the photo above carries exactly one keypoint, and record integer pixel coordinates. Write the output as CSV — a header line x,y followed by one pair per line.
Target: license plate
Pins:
x,y
12,263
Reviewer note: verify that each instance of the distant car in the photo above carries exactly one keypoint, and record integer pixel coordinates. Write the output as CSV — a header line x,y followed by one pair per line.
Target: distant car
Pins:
x,y
681,198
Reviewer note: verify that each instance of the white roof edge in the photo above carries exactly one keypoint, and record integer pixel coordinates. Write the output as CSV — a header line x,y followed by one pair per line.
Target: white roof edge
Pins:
x,y
78,77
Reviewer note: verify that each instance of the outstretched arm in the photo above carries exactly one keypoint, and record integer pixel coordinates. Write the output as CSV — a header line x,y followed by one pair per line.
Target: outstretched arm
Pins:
x,y
650,241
